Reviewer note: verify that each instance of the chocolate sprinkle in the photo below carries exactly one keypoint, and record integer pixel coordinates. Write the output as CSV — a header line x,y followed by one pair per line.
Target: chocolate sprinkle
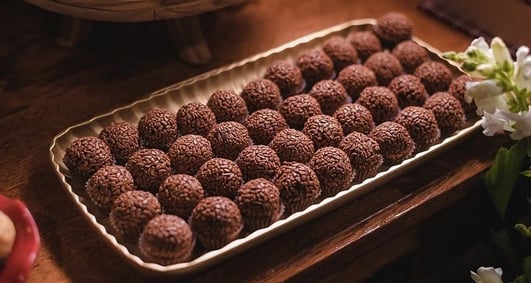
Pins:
x,y
122,138
292,145
85,155
355,78
298,186
179,194
421,126
381,102
366,43
315,65
395,143
385,66
323,130
260,94
297,109
264,124
228,139
258,161
107,184
286,76
157,129
330,95
149,168
220,177
259,203
333,169
196,119
227,106
364,154
354,117
188,153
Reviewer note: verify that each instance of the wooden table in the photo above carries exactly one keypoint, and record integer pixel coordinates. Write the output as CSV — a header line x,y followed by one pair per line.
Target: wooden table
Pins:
x,y
45,88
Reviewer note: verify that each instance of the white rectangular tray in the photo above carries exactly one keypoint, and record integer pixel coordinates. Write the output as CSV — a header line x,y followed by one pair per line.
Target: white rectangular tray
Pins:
x,y
198,89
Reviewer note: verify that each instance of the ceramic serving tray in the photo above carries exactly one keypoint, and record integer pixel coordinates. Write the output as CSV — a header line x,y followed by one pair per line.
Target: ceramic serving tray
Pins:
x,y
198,89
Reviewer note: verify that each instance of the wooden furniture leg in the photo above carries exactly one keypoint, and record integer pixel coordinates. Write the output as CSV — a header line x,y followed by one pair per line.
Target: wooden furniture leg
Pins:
x,y
73,31
187,36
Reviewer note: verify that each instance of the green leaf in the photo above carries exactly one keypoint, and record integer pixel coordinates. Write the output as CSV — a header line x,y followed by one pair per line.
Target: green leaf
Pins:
x,y
502,176
524,230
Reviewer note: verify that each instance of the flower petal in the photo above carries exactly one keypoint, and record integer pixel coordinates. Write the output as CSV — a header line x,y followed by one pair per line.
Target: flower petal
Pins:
x,y
492,124
486,95
490,274
500,52
475,277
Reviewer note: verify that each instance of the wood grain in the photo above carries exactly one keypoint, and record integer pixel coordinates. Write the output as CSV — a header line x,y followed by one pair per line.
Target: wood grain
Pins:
x,y
45,88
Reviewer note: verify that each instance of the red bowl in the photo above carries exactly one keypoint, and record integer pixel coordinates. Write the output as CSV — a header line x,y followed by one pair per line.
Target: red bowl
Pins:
x,y
27,241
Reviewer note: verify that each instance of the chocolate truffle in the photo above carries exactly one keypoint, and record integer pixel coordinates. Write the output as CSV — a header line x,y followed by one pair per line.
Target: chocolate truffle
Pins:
x,y
228,139
188,153
220,177
107,184
410,55
264,124
458,89
166,239
122,139
216,221
394,140
354,117
330,95
292,145
259,203
365,42
85,155
298,185
260,94
421,126
179,194
355,78
381,102
448,112
286,76
340,51
323,130
298,108
435,76
258,161
315,65
149,168
364,154
333,169
385,66
157,129
393,28
408,90
227,106
195,119
131,211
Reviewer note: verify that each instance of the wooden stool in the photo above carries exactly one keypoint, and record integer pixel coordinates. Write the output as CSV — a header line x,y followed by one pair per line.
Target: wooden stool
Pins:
x,y
180,16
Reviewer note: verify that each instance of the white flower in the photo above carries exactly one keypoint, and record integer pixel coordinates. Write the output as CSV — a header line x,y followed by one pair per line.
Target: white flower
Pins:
x,y
481,54
523,68
487,275
487,96
520,122
500,52
493,123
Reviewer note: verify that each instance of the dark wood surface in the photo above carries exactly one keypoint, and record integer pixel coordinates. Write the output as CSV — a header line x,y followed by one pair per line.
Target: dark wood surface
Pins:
x,y
45,88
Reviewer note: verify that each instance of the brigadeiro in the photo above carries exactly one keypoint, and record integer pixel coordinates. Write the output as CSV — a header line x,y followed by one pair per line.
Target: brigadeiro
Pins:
x,y
122,139
394,140
131,211
260,94
385,66
354,117
216,221
434,75
149,168
458,88
227,106
220,177
157,129
264,124
259,203
315,65
355,78
195,119
333,169
393,27
448,112
166,239
298,108
228,139
340,51
421,126
330,95
85,155
292,145
107,184
408,90
188,153
366,43
364,154
179,194
410,55
381,102
286,76
258,161
298,185
323,130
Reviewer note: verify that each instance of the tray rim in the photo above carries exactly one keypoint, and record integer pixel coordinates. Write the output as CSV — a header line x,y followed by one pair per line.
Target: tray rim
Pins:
x,y
239,245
